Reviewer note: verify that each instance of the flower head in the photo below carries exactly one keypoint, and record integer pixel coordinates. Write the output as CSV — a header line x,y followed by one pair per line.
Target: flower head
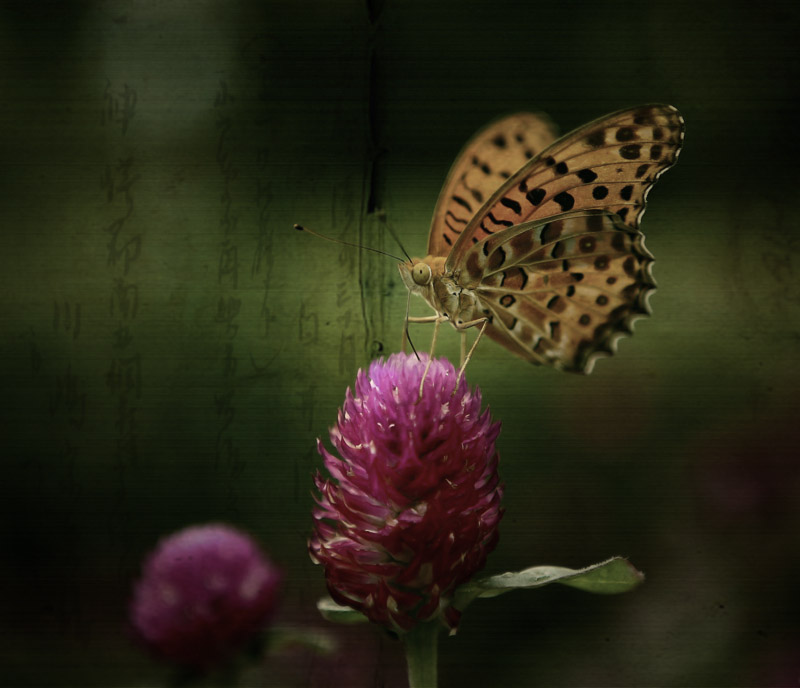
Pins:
x,y
414,504
204,592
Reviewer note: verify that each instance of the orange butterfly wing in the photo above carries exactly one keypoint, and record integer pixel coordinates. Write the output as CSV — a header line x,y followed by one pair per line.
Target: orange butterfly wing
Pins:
x,y
609,164
561,292
489,158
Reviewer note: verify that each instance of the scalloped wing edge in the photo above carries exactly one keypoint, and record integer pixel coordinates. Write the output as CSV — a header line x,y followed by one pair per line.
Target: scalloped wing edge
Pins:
x,y
606,346
624,328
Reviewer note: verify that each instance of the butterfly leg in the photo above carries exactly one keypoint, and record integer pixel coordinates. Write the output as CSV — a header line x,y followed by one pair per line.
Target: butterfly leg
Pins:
x,y
436,320
465,360
426,319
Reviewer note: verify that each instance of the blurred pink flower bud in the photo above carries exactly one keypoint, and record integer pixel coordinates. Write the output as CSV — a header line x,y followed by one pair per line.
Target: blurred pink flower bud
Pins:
x,y
204,593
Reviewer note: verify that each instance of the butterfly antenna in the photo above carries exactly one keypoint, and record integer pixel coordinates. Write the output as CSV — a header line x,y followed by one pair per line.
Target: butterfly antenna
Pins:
x,y
408,334
399,243
300,228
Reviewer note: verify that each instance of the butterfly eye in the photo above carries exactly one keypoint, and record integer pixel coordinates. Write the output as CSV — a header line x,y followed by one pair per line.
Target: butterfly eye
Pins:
x,y
421,274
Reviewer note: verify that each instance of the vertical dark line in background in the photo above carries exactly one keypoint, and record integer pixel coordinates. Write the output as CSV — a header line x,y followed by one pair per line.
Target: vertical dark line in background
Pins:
x,y
374,149
370,274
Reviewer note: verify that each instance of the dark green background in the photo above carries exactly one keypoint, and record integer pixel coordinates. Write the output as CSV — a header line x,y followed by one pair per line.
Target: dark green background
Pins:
x,y
171,349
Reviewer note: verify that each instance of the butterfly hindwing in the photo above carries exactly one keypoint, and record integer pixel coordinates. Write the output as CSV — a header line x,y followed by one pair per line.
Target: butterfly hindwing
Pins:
x,y
490,158
561,292
609,164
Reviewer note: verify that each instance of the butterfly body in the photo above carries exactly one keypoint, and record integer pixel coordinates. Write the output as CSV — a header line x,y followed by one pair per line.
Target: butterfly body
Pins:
x,y
442,290
549,254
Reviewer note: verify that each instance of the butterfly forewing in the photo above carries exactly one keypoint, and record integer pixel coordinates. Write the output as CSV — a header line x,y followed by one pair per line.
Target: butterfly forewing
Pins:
x,y
561,292
610,164
490,158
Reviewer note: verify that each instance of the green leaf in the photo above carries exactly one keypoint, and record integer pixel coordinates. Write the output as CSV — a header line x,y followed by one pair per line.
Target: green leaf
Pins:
x,y
337,613
281,637
608,578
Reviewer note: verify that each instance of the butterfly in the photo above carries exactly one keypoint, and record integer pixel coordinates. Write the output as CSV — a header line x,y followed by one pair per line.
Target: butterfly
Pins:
x,y
537,240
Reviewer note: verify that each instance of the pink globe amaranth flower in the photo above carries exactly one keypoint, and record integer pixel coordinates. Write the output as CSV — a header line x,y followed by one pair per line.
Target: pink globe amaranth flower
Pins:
x,y
204,593
414,505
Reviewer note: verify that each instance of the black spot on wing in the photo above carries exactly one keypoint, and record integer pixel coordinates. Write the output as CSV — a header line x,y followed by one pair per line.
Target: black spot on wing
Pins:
x,y
497,259
511,204
450,217
595,223
450,225
626,192
625,134
507,300
562,168
461,202
631,151
596,138
499,141
618,242
599,192
536,196
629,266
565,200
504,223
549,233
586,175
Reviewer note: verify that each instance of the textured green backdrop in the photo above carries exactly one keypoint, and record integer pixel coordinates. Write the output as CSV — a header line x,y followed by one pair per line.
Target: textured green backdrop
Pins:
x,y
170,348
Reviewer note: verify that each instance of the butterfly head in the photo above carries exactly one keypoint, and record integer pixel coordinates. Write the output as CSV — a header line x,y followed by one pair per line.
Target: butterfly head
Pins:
x,y
416,274
421,274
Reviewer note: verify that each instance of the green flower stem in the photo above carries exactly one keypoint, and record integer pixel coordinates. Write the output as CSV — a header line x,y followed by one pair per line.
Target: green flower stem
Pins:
x,y
421,645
